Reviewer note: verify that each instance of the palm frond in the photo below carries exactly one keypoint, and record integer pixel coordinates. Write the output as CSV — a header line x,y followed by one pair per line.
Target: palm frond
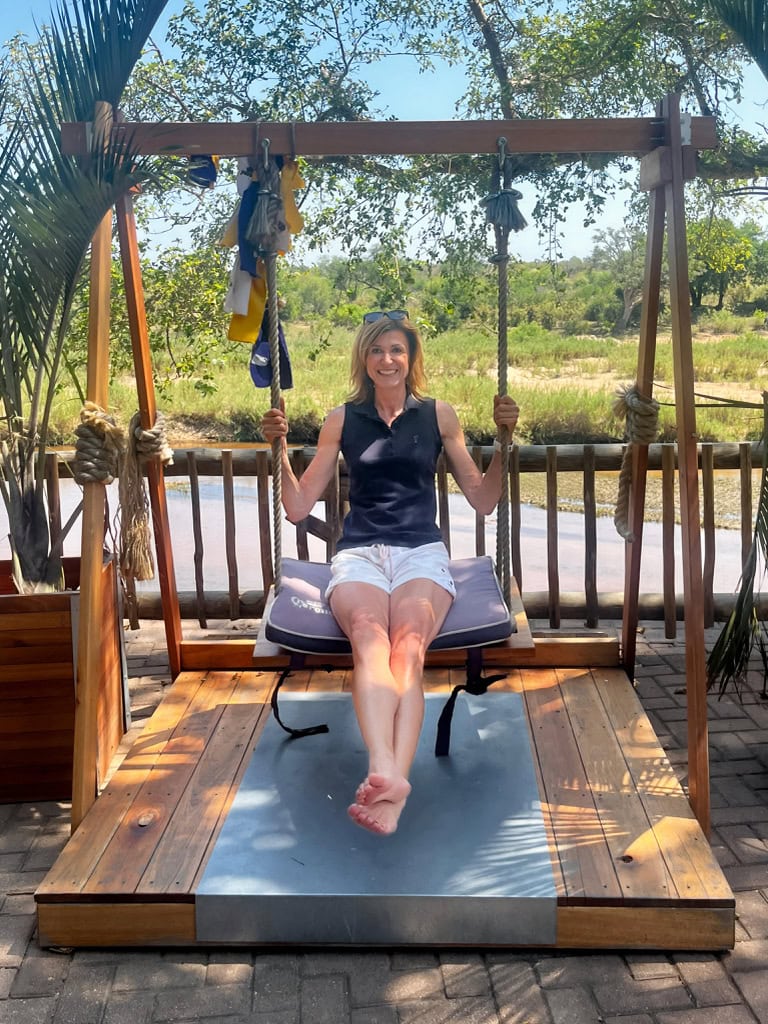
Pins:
x,y
729,659
748,20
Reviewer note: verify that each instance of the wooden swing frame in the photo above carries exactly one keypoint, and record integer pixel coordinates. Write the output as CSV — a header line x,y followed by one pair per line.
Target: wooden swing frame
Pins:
x,y
666,145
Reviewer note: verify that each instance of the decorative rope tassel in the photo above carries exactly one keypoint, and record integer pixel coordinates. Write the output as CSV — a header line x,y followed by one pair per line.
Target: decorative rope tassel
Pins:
x,y
100,443
501,207
267,224
642,416
136,560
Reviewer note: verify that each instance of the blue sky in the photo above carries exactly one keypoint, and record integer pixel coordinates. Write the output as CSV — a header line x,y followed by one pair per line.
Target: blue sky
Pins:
x,y
412,96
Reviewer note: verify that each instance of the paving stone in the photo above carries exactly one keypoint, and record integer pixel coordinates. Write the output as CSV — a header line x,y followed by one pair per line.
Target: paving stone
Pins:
x,y
518,995
195,1003
719,992
28,1011
85,994
642,996
19,903
643,967
745,876
634,1018
571,970
7,974
229,974
374,1015
708,1015
450,1011
43,976
413,961
325,1000
129,1008
752,912
754,988
573,1006
145,971
275,987
465,976
748,847
340,962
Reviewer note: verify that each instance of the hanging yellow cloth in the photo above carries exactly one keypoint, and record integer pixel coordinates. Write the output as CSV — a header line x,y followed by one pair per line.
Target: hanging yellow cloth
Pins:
x,y
246,327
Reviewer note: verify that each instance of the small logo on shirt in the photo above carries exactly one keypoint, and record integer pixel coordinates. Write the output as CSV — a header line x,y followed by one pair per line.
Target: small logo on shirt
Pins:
x,y
415,438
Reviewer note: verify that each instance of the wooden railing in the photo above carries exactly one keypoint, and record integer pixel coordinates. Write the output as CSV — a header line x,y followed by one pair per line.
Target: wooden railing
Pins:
x,y
553,604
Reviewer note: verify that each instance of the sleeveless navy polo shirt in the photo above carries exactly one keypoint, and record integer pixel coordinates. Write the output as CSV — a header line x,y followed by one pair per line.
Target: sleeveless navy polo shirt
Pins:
x,y
391,475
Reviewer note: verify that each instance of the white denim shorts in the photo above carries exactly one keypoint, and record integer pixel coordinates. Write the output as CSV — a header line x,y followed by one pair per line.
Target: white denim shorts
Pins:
x,y
388,567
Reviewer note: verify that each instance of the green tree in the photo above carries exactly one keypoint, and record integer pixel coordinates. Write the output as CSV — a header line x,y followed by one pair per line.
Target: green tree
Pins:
x,y
719,254
50,206
622,252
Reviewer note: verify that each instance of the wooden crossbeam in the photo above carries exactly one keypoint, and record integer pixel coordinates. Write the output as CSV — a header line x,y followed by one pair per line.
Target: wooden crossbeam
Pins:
x,y
396,138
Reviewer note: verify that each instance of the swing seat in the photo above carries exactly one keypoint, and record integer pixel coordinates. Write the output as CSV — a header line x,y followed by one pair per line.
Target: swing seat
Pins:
x,y
301,620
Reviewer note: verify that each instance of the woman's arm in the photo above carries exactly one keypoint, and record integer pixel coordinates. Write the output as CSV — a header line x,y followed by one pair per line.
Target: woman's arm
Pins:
x,y
300,495
481,491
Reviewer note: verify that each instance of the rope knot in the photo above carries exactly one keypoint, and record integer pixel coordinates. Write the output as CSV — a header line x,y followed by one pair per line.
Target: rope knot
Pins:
x,y
642,418
99,446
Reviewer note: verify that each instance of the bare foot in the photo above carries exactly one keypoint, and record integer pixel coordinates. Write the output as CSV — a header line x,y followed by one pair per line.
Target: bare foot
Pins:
x,y
376,788
380,818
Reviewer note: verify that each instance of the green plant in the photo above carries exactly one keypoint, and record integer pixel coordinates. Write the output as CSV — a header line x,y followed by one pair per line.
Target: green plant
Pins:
x,y
50,206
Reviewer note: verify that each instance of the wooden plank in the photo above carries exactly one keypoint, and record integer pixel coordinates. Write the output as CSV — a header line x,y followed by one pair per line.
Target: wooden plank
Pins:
x,y
145,388
745,489
668,539
708,530
646,359
634,927
265,520
58,653
197,534
180,850
130,849
397,138
553,575
84,767
116,924
695,656
687,854
230,547
12,620
633,847
80,856
571,816
590,538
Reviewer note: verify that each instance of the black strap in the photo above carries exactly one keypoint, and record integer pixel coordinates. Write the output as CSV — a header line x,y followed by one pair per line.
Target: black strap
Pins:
x,y
475,685
295,734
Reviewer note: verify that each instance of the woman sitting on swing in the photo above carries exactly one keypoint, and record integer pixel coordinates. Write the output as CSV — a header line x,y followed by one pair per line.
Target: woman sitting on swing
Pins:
x,y
391,587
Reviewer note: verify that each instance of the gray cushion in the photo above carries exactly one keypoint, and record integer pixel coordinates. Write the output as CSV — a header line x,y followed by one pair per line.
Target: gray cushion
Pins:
x,y
300,619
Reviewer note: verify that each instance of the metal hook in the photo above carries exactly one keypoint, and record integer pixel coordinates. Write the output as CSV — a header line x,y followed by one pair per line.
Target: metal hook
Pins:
x,y
501,142
265,147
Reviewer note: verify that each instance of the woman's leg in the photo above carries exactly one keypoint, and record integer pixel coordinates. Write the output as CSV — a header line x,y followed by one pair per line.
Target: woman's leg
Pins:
x,y
362,611
416,612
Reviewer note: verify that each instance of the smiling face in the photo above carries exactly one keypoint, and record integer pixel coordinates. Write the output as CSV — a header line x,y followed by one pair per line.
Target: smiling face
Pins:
x,y
387,361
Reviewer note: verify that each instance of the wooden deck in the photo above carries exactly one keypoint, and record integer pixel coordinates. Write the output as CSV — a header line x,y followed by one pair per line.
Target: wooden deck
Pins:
x,y
632,867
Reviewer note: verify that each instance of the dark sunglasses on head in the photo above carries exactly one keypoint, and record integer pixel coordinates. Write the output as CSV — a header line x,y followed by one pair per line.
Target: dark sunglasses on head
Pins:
x,y
379,314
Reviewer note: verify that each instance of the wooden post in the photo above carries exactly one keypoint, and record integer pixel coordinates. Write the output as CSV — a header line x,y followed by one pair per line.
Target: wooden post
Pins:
x,y
646,359
687,455
84,771
145,387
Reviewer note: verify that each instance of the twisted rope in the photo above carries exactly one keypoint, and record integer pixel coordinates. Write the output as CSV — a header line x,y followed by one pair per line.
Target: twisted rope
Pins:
x,y
502,212
277,444
99,445
136,560
642,417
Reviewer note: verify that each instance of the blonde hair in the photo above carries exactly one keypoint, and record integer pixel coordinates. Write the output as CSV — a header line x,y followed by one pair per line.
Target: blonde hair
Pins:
x,y
362,385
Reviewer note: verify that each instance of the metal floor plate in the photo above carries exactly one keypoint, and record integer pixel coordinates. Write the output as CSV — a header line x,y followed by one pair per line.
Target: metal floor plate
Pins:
x,y
469,863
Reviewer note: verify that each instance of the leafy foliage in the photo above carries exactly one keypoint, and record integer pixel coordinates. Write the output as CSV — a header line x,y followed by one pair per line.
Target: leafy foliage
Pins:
x,y
50,206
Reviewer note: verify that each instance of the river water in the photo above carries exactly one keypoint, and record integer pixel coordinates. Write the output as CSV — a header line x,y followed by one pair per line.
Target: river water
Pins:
x,y
610,547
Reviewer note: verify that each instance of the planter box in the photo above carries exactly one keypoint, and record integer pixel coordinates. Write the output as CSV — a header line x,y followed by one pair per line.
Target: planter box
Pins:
x,y
38,658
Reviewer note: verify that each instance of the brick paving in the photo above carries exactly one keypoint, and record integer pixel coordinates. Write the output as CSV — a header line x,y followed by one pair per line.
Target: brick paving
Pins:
x,y
41,986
